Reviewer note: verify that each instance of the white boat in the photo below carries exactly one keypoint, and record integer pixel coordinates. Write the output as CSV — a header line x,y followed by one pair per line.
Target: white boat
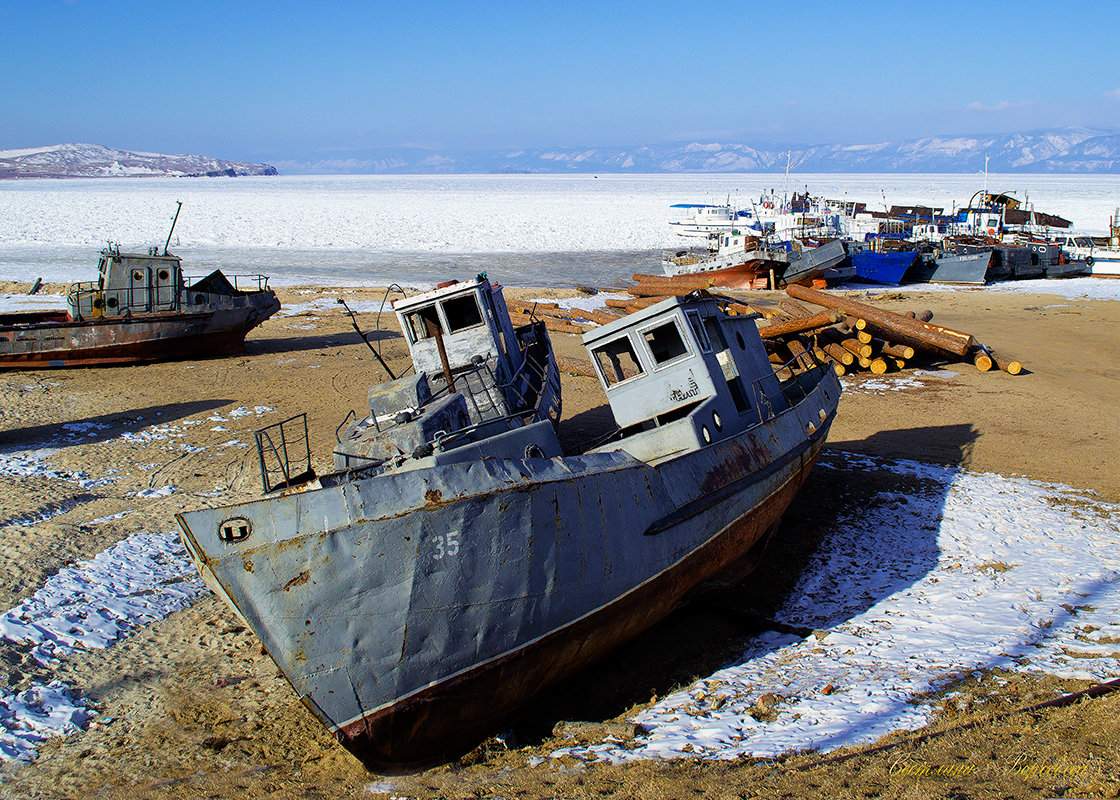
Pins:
x,y
1102,261
700,220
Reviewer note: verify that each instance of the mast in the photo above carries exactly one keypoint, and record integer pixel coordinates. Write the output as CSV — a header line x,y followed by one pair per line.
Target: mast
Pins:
x,y
168,242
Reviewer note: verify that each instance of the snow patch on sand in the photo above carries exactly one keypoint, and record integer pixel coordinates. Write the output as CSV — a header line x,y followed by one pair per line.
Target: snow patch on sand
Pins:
x,y
968,572
91,604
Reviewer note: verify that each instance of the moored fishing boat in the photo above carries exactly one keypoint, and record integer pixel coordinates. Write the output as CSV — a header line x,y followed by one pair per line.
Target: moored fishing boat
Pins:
x,y
418,600
141,308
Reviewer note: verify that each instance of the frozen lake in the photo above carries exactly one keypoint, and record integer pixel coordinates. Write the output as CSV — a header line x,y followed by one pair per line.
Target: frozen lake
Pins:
x,y
542,230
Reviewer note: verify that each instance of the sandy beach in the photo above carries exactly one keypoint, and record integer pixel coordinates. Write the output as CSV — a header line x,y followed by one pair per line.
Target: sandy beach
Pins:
x,y
187,705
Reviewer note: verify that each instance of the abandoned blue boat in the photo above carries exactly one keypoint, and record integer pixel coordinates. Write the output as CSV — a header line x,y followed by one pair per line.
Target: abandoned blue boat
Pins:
x,y
456,564
875,267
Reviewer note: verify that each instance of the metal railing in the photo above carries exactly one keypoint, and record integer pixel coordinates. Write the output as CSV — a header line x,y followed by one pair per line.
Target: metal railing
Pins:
x,y
284,451
804,375
242,283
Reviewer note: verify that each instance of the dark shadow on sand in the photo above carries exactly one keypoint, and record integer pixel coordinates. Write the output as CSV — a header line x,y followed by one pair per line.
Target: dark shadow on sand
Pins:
x,y
289,344
716,629
101,428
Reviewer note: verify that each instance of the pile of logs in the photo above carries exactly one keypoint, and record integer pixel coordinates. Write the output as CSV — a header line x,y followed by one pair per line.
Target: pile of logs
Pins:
x,y
650,289
854,335
555,318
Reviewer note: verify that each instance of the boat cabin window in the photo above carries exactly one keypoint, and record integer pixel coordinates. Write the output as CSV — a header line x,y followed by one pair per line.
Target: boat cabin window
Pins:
x,y
665,342
462,312
698,331
419,321
617,361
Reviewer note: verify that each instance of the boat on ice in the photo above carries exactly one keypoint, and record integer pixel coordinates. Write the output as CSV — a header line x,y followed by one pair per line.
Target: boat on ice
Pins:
x,y
449,570
141,308
735,259
1099,260
879,266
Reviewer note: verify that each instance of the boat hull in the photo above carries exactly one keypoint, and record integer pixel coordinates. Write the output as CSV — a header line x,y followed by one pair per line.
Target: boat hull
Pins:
x,y
965,268
1104,266
885,268
412,653
50,342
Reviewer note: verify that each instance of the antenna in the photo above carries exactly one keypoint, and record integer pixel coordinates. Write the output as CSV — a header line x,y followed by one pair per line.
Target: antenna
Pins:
x,y
177,210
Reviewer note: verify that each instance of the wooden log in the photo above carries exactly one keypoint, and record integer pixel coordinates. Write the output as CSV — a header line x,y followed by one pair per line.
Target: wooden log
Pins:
x,y
1008,365
596,316
552,324
924,316
892,326
894,350
576,366
982,360
617,302
857,348
678,284
839,354
555,311
878,366
783,329
794,308
642,302
864,336
799,351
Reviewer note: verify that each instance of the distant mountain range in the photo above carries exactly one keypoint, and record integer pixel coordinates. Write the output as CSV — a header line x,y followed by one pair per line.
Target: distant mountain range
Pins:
x,y
96,161
1070,150
1067,150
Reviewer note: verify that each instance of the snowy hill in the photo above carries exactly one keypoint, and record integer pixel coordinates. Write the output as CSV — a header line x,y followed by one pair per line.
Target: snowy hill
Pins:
x,y
1069,150
96,161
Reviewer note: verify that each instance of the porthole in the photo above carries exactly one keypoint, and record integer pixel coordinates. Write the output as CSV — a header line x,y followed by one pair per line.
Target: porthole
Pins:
x,y
199,299
707,434
99,302
138,275
534,451
739,339
234,529
111,302
821,413
717,421
164,274
811,428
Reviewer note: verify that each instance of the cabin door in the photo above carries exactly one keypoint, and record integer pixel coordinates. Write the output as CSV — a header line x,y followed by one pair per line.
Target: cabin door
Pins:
x,y
165,292
139,288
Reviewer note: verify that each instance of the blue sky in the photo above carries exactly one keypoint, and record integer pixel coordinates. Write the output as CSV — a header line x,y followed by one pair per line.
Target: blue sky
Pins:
x,y
268,80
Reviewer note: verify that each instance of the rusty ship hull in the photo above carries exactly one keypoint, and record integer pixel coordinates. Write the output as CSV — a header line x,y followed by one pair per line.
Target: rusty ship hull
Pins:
x,y
414,613
50,339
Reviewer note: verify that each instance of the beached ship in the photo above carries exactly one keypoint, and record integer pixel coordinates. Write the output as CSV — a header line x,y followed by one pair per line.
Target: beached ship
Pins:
x,y
141,308
736,260
416,601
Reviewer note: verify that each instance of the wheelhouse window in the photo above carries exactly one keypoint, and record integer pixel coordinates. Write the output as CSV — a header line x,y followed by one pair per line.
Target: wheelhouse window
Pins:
x,y
617,361
422,323
665,342
698,330
462,312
